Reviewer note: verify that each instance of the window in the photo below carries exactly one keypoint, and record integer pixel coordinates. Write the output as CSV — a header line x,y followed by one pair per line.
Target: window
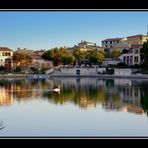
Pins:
x,y
124,59
131,59
136,51
6,54
136,59
127,59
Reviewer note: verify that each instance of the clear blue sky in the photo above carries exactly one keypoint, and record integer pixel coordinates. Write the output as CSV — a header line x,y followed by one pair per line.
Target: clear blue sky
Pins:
x,y
44,30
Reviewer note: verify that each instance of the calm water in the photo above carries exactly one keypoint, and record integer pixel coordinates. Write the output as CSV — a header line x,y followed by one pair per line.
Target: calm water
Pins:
x,y
84,107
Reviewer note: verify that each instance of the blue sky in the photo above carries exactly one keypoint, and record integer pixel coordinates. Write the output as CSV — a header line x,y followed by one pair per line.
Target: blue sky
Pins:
x,y
44,30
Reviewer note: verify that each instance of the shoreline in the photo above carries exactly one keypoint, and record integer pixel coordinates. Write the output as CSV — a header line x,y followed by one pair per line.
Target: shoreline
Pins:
x,y
103,76
15,76
134,76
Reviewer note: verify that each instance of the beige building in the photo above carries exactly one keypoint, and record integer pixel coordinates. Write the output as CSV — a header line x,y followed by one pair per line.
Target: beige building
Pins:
x,y
24,50
122,45
38,61
137,38
6,57
85,46
126,45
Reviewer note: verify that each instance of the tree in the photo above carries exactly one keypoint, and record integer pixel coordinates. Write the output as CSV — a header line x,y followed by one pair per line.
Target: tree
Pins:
x,y
61,51
115,53
144,54
55,54
95,56
78,54
67,59
22,59
50,54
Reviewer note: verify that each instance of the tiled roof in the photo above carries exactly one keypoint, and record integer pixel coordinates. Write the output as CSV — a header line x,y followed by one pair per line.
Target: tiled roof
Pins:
x,y
131,43
113,39
5,49
138,35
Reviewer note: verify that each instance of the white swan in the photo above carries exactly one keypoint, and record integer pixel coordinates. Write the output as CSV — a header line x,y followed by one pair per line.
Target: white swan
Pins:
x,y
57,89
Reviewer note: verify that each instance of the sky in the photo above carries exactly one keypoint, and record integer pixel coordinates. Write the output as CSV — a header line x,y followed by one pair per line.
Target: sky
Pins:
x,y
45,30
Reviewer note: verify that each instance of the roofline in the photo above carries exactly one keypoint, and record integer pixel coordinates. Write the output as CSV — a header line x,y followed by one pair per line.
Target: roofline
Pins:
x,y
112,39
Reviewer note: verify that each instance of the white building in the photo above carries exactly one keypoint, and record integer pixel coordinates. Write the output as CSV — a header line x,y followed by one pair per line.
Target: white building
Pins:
x,y
132,57
6,57
109,43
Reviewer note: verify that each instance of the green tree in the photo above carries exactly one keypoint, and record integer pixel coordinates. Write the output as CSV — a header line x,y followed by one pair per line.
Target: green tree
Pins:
x,y
50,54
78,54
144,54
95,56
67,59
22,59
115,53
55,54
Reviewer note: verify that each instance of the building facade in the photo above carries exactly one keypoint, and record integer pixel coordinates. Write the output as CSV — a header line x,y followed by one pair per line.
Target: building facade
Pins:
x,y
39,62
6,57
138,38
109,43
85,46
132,57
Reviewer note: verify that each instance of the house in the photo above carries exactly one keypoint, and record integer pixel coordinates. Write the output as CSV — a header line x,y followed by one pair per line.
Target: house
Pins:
x,y
25,50
38,61
85,46
132,57
138,38
109,43
127,45
6,57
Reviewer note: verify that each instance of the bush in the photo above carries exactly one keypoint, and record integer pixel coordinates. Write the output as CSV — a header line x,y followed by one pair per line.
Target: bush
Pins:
x,y
110,71
17,69
2,68
122,65
34,70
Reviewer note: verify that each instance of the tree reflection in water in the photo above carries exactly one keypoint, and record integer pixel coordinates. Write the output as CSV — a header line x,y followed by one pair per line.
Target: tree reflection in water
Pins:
x,y
112,94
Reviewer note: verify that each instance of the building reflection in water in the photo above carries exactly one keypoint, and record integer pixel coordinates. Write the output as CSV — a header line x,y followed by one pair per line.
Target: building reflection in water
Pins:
x,y
114,95
6,94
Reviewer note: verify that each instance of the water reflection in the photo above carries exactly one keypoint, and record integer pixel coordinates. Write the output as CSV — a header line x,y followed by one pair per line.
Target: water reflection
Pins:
x,y
113,94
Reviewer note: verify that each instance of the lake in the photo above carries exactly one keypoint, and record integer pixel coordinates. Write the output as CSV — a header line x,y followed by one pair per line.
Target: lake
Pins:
x,y
82,107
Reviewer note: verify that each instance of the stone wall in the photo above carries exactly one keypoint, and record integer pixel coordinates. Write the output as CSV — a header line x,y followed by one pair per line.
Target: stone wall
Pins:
x,y
123,72
82,70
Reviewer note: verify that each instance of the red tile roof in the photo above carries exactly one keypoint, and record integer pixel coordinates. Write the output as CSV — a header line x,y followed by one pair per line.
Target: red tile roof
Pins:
x,y
138,35
113,39
5,49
